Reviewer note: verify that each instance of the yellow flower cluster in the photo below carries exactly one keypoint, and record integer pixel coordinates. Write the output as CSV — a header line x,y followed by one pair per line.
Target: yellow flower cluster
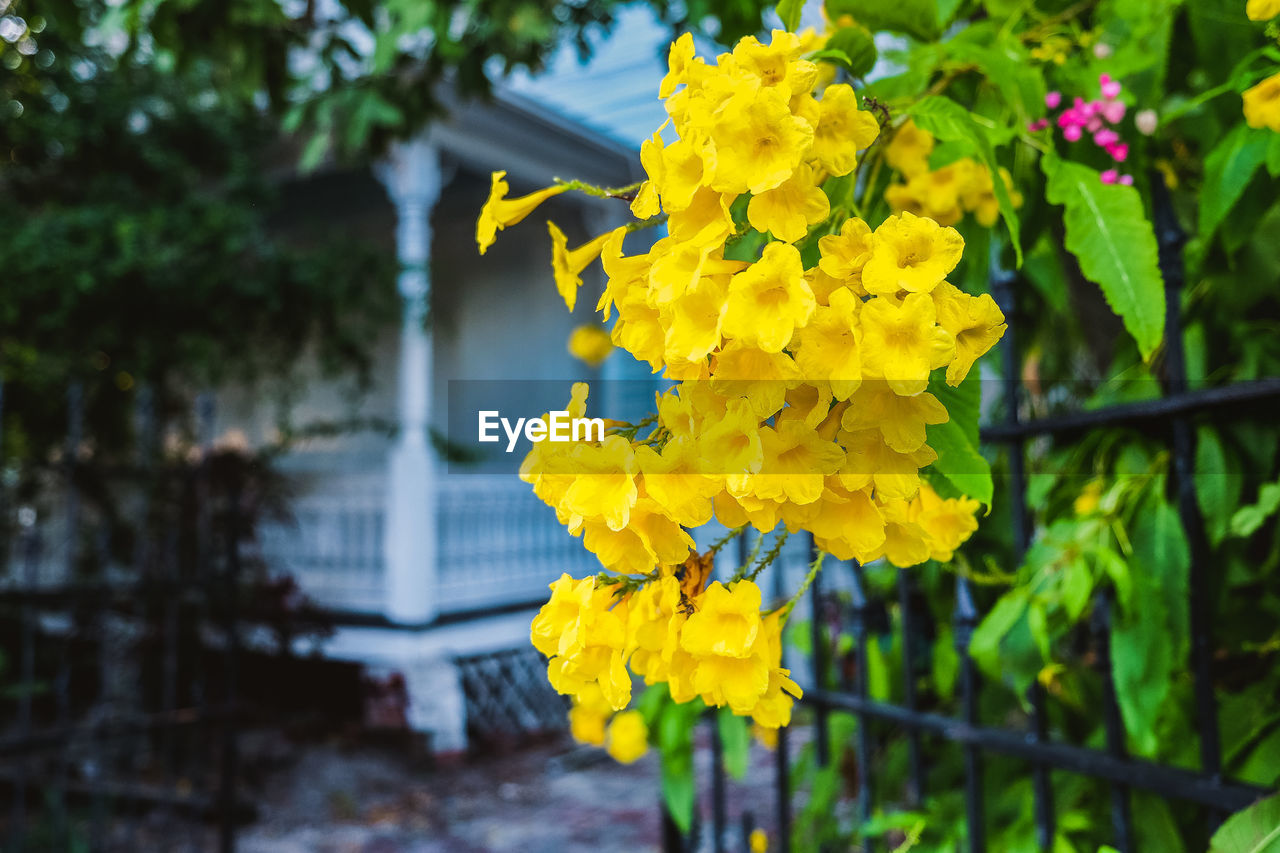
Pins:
x,y
944,195
708,641
802,396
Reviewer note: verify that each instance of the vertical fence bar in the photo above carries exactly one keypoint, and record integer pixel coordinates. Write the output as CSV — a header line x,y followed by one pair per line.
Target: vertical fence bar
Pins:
x,y
719,806
818,640
29,544
915,761
1200,589
965,619
782,754
1113,723
861,633
230,745
1002,289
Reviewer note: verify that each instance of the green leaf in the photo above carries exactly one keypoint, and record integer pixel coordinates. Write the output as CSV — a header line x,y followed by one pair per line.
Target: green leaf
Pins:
x,y
922,19
1227,171
959,462
317,146
1218,483
947,120
1248,519
857,47
984,645
1273,156
789,11
1253,830
1108,232
675,739
735,736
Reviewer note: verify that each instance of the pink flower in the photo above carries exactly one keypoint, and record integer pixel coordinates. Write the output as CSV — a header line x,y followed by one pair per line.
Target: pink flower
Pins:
x,y
1113,111
1110,88
1038,125
1052,100
1110,176
1127,180
1106,138
1119,151
1072,132
1094,124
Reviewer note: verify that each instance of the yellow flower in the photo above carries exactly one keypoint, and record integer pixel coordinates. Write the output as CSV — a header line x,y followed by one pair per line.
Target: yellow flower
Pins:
x,y
604,485
638,329
649,539
911,253
500,212
845,254
694,320
758,142
946,523
588,715
901,420
872,462
726,622
731,443
1262,10
673,478
705,222
1086,503
769,299
789,209
905,542
902,343
830,345
909,149
796,460
842,131
1262,104
758,841
742,370
590,343
684,65
628,737
776,64
847,524
976,322
568,264
585,635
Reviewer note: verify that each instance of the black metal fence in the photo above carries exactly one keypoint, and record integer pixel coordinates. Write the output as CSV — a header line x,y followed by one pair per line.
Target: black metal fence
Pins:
x,y
1206,788
118,683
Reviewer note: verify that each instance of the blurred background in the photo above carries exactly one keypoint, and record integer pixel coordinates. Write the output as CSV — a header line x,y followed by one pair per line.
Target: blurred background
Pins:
x,y
250,595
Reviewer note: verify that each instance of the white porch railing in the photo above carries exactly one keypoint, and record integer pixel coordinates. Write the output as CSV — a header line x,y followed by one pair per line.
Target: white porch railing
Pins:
x,y
498,544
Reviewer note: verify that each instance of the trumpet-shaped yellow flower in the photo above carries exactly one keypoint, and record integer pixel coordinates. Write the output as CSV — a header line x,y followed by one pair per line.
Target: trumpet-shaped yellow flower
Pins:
x,y
830,346
905,543
758,142
796,462
776,64
902,343
870,461
845,254
976,322
789,209
842,130
694,320
673,478
901,420
847,524
705,222
500,212
742,370
1262,104
947,523
628,737
726,622
605,486
769,300
911,253
909,149
568,264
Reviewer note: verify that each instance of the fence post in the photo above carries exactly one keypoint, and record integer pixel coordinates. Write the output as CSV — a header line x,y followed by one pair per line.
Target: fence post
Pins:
x,y
861,632
1002,289
965,619
1113,723
1200,589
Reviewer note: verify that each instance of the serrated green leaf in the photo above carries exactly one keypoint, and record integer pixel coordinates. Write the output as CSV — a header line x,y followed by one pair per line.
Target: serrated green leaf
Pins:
x,y
1108,232
789,11
1227,171
947,120
1253,830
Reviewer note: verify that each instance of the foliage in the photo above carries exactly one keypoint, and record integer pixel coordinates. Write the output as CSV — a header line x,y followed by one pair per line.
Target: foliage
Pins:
x,y
139,249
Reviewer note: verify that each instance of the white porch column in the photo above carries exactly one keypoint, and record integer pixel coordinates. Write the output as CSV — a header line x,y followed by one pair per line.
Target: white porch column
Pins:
x,y
411,174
